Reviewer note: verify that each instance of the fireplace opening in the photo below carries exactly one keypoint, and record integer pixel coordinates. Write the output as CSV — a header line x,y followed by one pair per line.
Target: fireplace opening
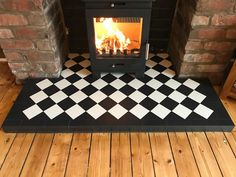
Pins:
x,y
118,35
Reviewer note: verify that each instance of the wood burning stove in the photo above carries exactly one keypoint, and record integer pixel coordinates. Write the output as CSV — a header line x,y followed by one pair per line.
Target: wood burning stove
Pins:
x,y
118,35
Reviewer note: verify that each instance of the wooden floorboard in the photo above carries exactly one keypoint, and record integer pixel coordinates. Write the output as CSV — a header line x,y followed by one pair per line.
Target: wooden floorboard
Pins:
x,y
184,158
113,155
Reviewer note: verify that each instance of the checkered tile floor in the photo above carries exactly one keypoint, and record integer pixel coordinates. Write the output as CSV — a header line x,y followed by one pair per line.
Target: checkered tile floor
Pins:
x,y
76,94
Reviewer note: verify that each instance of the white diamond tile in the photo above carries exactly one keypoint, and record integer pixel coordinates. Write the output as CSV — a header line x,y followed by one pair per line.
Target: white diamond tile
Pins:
x,y
117,96
117,111
137,96
66,73
44,84
150,55
152,73
62,84
117,75
98,96
80,84
53,111
72,55
157,96
169,73
203,111
58,96
78,96
86,55
99,84
96,111
83,73
191,84
196,96
85,63
155,84
39,96
70,63
177,96
150,63
165,63
75,111
173,83
32,111
135,83
160,111
118,84
139,111
182,111
163,55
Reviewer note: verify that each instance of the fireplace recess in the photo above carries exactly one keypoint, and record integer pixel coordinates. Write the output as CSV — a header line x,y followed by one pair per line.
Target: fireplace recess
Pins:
x,y
118,35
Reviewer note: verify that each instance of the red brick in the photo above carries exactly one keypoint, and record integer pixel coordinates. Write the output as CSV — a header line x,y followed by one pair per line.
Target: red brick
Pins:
x,y
219,46
12,20
193,45
16,44
224,20
30,32
6,34
200,20
211,68
209,33
37,19
40,56
205,57
43,45
215,5
231,34
13,56
18,5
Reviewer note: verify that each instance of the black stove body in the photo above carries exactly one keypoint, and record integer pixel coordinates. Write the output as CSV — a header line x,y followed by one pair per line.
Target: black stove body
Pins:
x,y
118,35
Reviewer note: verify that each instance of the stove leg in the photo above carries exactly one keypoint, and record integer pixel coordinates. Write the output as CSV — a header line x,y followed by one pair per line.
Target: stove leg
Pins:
x,y
96,75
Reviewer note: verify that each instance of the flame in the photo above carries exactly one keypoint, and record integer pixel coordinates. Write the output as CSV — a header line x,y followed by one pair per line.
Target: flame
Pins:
x,y
111,39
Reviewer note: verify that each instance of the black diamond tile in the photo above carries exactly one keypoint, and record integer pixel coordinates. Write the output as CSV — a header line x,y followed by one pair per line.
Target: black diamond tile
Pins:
x,y
109,78
66,103
184,90
146,90
128,103
89,90
78,59
45,104
90,79
51,90
159,68
70,90
169,103
76,68
87,103
126,78
107,103
145,79
73,78
156,59
189,103
108,90
165,90
162,78
127,90
148,103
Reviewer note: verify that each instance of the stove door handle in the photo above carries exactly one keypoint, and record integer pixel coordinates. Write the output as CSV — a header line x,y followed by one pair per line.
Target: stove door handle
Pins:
x,y
114,4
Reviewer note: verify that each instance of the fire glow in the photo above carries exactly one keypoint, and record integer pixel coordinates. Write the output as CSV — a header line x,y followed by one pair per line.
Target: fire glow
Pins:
x,y
111,36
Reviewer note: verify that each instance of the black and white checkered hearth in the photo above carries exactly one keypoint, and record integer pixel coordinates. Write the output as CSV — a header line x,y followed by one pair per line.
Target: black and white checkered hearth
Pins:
x,y
78,102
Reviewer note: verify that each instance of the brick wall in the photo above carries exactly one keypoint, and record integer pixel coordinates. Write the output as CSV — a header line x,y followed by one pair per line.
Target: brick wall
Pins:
x,y
32,36
203,37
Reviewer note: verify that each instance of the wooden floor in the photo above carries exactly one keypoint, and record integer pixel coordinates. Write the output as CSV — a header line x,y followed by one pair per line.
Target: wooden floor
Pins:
x,y
185,154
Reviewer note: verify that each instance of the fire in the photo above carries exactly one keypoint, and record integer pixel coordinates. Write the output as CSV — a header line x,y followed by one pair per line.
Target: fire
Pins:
x,y
112,39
